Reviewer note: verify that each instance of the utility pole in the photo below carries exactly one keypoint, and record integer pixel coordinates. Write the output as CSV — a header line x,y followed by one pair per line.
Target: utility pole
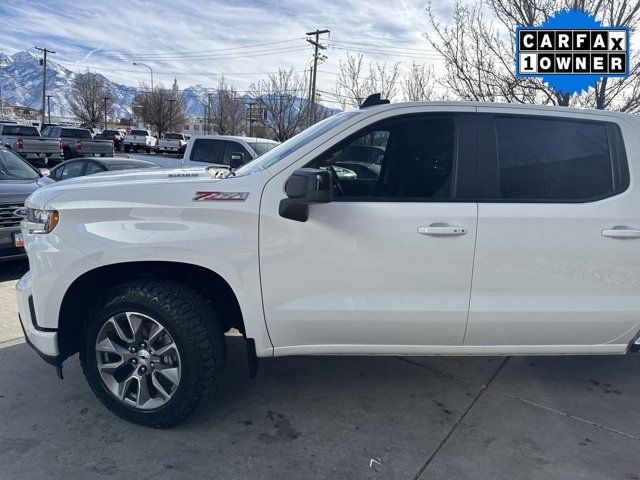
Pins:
x,y
1,103
314,75
43,62
48,108
209,95
105,110
171,100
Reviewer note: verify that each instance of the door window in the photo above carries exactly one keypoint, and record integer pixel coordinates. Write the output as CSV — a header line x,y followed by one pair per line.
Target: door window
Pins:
x,y
556,160
94,167
208,150
410,158
235,147
71,170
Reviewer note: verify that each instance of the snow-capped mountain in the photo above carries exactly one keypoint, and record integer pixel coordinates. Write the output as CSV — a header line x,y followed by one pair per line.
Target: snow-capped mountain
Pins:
x,y
21,84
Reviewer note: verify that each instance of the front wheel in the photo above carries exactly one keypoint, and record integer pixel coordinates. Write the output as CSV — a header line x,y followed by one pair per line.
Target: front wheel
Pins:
x,y
153,352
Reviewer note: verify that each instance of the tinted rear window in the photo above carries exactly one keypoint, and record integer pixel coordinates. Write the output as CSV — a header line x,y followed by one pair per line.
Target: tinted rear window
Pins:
x,y
20,130
174,136
139,132
75,133
547,160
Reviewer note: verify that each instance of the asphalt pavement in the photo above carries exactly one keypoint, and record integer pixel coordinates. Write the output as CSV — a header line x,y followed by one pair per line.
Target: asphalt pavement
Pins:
x,y
333,418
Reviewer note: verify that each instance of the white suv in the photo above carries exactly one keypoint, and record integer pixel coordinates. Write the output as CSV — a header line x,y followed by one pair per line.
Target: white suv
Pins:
x,y
451,229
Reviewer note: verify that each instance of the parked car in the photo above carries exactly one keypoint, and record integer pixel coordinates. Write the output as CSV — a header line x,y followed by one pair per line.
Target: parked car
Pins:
x,y
172,143
117,136
537,204
139,140
78,142
18,180
26,141
79,167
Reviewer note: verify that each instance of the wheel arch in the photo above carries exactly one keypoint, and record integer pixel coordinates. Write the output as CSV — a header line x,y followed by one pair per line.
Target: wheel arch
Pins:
x,y
80,297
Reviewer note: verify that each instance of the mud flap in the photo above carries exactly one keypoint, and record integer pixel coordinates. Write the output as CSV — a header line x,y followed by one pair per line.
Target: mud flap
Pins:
x,y
252,358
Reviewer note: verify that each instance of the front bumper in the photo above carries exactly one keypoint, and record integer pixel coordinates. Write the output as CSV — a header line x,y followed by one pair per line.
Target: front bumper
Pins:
x,y
42,340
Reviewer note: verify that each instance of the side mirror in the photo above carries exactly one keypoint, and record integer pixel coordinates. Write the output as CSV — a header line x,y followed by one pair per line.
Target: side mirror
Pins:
x,y
304,187
45,172
237,160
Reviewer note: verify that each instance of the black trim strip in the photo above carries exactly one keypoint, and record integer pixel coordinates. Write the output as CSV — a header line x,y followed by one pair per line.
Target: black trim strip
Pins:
x,y
34,322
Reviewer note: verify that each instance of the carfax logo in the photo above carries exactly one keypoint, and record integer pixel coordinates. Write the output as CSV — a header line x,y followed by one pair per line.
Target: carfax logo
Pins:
x,y
572,51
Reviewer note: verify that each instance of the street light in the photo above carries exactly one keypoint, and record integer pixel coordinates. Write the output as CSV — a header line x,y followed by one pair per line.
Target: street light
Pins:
x,y
150,69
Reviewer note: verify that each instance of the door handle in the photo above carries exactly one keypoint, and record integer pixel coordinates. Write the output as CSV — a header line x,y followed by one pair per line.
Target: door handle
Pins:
x,y
621,232
442,230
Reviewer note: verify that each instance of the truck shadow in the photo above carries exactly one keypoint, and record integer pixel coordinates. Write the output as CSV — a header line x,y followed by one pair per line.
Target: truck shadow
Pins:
x,y
13,270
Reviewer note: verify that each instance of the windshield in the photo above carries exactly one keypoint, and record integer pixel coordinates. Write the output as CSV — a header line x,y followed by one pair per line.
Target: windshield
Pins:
x,y
263,147
287,148
13,167
131,166
20,130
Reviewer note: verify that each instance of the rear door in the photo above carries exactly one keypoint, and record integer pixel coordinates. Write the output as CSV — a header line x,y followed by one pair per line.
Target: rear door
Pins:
x,y
557,259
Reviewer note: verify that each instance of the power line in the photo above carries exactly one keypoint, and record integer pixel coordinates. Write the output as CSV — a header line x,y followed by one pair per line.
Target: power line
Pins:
x,y
386,53
188,52
230,55
384,46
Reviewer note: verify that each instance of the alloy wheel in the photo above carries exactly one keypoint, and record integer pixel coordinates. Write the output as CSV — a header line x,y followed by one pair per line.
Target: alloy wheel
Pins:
x,y
138,360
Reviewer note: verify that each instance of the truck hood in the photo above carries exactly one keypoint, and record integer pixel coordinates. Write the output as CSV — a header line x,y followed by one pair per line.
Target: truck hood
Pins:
x,y
142,175
18,190
149,185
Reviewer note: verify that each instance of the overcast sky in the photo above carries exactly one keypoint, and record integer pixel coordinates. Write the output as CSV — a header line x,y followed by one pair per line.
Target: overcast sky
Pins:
x,y
193,39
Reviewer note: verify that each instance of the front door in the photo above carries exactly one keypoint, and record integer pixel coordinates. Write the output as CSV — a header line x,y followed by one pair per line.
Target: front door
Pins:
x,y
386,267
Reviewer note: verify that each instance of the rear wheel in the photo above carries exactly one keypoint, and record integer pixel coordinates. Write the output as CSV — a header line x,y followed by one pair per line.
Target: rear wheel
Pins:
x,y
153,352
127,148
147,149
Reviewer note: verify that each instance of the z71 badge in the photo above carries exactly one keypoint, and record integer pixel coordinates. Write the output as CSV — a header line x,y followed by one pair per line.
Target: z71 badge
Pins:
x,y
220,196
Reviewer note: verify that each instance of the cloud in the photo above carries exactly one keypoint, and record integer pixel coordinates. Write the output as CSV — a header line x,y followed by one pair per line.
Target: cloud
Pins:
x,y
106,36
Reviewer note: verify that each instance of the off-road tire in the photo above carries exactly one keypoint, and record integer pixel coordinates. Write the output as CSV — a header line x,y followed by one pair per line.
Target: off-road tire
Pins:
x,y
196,330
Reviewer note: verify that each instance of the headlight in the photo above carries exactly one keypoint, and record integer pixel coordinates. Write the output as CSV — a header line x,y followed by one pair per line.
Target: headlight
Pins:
x,y
41,221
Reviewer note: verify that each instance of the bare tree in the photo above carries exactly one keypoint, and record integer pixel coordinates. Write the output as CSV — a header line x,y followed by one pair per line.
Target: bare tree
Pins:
x,y
283,96
479,55
357,81
418,85
87,98
228,111
161,108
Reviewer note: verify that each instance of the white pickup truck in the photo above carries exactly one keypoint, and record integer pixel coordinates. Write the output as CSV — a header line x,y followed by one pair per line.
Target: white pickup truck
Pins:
x,y
139,140
172,143
467,229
